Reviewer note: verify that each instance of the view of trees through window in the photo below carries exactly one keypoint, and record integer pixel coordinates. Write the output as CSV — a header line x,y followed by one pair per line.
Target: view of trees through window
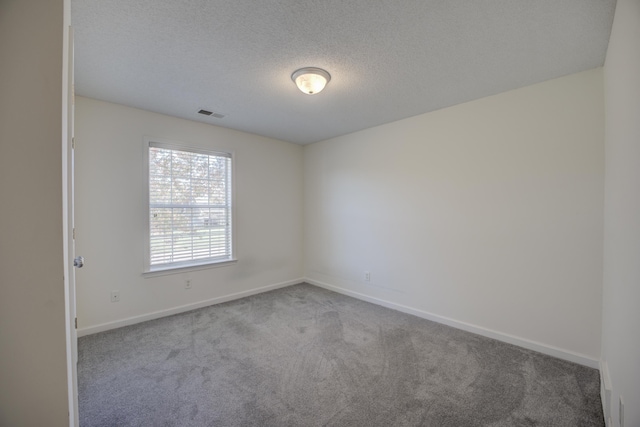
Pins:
x,y
189,206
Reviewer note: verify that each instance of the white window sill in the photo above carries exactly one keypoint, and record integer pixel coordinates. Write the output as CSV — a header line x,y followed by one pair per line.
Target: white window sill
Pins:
x,y
160,271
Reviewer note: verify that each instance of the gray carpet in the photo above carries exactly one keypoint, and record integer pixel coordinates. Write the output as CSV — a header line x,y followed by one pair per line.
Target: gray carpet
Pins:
x,y
304,356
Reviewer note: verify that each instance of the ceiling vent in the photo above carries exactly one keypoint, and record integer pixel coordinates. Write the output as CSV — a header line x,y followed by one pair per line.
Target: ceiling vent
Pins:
x,y
211,113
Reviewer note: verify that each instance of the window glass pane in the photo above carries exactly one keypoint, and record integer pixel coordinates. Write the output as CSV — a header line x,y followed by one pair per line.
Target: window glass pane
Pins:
x,y
200,191
181,164
160,189
161,235
181,191
190,206
181,234
200,166
216,166
160,161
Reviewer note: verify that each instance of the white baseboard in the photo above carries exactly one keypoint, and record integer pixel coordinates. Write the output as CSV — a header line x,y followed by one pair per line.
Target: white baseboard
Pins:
x,y
605,391
521,342
181,309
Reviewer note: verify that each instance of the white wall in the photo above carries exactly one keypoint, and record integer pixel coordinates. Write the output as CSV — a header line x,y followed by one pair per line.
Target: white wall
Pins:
x,y
486,215
110,214
621,295
33,369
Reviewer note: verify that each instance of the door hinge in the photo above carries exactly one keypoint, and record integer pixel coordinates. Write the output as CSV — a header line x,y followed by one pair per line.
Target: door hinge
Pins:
x,y
73,143
76,323
73,232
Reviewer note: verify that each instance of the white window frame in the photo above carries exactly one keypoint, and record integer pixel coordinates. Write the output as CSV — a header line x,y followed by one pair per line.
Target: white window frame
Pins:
x,y
161,269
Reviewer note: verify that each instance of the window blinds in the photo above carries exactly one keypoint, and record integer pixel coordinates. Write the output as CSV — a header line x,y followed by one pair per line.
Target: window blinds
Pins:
x,y
189,206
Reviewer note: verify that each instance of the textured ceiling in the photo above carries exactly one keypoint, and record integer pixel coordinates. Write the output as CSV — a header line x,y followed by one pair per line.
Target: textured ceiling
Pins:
x,y
388,59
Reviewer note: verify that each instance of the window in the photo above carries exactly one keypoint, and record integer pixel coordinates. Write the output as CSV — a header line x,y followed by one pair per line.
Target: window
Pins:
x,y
190,209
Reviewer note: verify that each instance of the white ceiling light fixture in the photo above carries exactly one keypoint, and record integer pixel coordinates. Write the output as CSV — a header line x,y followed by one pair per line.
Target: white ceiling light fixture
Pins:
x,y
310,80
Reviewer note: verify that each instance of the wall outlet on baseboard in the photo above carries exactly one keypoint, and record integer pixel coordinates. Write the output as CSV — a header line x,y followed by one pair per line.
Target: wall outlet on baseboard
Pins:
x,y
187,284
367,276
115,296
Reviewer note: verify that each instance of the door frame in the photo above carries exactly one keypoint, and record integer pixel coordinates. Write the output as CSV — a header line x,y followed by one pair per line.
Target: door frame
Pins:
x,y
67,216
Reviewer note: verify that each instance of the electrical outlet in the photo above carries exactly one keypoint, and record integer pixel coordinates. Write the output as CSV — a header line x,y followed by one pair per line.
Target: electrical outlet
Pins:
x,y
115,296
187,284
621,412
367,276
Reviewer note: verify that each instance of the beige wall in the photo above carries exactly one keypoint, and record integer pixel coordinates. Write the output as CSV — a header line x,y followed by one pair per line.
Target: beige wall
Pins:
x,y
33,370
110,214
486,215
621,291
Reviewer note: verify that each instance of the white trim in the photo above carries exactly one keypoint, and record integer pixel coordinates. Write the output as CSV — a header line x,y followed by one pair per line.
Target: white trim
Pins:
x,y
605,392
148,141
604,375
183,308
177,145
521,342
68,108
193,267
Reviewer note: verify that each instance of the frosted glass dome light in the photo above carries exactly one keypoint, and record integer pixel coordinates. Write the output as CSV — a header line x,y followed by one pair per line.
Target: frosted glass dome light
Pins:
x,y
311,80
